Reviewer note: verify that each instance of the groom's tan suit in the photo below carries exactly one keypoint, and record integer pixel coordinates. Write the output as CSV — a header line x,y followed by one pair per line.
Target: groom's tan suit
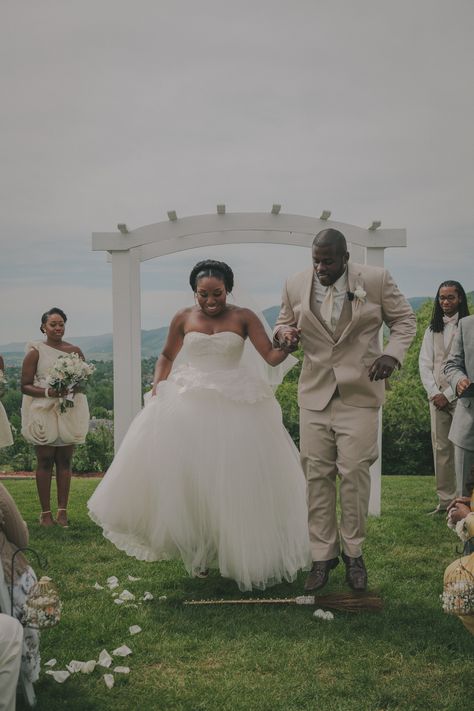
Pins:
x,y
339,404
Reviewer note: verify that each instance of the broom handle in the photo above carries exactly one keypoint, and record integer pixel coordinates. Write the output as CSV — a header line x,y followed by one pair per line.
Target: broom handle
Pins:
x,y
250,601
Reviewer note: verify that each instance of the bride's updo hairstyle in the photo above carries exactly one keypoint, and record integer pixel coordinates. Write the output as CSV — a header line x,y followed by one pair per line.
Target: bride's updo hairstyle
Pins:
x,y
212,268
49,313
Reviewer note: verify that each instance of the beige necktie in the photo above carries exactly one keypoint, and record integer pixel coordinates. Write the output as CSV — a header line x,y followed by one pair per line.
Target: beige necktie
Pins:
x,y
327,307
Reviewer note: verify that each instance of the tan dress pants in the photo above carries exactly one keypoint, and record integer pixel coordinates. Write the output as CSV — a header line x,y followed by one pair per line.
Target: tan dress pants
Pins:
x,y
339,440
443,454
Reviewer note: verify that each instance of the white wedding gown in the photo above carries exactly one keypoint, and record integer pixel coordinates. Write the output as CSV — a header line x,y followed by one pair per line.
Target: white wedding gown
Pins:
x,y
208,473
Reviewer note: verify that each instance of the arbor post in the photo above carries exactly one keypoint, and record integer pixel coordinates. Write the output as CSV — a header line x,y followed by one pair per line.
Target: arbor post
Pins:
x,y
126,340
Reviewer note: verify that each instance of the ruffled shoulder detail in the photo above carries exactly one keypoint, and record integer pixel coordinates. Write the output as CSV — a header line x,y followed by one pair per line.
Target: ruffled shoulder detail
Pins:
x,y
239,384
32,346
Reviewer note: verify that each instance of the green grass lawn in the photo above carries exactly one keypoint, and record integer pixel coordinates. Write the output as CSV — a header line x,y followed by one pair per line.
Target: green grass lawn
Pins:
x,y
256,658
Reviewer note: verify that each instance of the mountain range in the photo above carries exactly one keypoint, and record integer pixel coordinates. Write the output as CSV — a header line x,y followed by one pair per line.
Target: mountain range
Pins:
x,y
100,347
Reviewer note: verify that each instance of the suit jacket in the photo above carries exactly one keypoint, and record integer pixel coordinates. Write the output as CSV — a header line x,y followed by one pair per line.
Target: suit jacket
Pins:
x,y
343,359
460,364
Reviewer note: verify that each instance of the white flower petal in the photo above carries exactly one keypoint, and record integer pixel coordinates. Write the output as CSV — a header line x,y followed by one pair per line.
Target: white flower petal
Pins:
x,y
59,676
323,614
97,586
74,666
147,596
132,578
126,595
162,598
112,582
105,660
109,680
134,629
122,651
89,666
122,670
118,601
51,663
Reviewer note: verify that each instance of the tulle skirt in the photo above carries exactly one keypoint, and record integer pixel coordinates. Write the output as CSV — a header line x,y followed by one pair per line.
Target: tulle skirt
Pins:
x,y
210,478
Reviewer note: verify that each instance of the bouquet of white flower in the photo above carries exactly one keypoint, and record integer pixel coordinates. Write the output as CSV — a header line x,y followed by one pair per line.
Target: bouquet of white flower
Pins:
x,y
67,373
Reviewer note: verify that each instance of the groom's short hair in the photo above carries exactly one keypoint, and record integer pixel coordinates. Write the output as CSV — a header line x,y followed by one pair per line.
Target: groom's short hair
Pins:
x,y
331,238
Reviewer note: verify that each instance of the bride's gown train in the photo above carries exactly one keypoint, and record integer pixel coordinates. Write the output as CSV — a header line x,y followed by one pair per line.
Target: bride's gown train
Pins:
x,y
208,473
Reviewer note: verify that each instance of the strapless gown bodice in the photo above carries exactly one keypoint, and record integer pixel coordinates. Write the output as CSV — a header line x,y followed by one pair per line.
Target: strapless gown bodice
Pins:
x,y
213,362
218,351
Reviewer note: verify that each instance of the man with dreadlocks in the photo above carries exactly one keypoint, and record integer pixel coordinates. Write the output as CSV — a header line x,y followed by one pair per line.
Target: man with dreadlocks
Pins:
x,y
450,305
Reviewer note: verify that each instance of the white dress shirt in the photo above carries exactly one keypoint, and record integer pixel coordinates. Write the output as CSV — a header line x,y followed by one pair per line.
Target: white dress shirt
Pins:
x,y
339,294
426,359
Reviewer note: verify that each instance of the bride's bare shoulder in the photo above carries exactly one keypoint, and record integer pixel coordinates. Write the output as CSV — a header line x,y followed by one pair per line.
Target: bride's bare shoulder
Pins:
x,y
242,312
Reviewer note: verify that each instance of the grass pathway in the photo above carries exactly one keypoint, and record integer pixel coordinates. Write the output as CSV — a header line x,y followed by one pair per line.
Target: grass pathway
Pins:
x,y
251,658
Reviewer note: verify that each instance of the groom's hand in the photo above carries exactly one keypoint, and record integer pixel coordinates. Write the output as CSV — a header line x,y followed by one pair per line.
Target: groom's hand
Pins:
x,y
382,368
288,338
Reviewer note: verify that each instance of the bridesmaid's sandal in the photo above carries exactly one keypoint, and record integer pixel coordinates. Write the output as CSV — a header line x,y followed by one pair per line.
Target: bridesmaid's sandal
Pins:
x,y
46,519
201,573
61,518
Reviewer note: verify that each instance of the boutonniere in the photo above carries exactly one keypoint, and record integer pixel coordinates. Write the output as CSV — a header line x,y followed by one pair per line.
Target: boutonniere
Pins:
x,y
359,294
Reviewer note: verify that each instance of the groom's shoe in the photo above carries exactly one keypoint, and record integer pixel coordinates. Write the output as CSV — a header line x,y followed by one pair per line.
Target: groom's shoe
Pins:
x,y
356,573
319,574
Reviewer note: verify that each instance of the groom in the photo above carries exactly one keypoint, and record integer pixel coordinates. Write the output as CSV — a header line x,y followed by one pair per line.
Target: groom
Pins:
x,y
338,308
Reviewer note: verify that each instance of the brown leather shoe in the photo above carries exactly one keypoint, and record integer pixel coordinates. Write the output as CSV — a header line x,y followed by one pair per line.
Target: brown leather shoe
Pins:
x,y
356,573
319,574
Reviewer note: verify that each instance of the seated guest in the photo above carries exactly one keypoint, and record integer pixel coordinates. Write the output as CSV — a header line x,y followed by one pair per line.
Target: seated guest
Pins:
x,y
461,519
14,535
11,638
458,596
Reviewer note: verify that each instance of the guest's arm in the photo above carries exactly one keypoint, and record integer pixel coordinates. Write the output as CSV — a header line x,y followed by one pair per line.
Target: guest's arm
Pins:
x,y
455,367
11,522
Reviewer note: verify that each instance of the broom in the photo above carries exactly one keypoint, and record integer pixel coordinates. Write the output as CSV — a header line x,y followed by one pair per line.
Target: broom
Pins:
x,y
343,602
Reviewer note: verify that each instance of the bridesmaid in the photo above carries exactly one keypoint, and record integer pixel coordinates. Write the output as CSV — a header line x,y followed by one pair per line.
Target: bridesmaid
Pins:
x,y
53,433
6,438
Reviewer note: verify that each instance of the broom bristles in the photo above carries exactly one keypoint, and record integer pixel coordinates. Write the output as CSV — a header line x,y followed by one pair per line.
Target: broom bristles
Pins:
x,y
350,602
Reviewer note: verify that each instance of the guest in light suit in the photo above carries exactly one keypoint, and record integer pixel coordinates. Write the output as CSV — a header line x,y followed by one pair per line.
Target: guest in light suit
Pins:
x,y
338,308
449,307
459,370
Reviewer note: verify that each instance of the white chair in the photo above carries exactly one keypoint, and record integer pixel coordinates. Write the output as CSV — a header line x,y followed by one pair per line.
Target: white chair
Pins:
x,y
5,606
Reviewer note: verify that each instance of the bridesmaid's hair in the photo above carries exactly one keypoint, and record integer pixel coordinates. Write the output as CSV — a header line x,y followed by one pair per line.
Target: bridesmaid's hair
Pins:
x,y
212,268
52,311
437,323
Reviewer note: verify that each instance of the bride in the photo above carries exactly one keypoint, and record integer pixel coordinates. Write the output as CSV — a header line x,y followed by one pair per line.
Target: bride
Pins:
x,y
206,471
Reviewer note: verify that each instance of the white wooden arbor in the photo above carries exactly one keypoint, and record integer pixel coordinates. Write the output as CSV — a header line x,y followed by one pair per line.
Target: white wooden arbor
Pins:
x,y
128,248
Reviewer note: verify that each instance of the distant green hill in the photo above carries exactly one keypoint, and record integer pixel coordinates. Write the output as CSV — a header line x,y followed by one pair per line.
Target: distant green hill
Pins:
x,y
100,347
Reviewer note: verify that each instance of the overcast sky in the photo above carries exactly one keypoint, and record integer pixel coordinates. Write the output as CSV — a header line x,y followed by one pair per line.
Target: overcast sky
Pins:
x,y
117,111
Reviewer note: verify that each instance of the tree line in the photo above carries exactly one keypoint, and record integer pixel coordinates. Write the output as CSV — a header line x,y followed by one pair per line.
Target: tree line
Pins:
x,y
406,439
